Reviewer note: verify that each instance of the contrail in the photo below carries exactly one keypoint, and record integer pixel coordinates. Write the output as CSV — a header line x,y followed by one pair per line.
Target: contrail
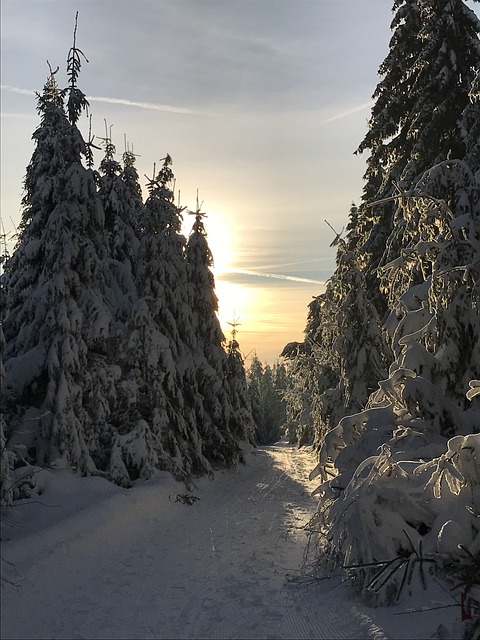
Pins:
x,y
22,92
18,116
122,101
294,264
348,112
278,276
146,105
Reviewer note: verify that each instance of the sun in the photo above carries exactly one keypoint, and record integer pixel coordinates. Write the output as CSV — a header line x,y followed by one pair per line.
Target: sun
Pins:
x,y
235,302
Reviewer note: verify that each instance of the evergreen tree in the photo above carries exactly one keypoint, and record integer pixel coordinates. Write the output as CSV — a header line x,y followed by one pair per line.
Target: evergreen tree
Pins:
x,y
415,121
157,352
274,379
57,323
120,238
360,344
118,190
434,332
254,377
428,277
77,102
415,124
241,421
114,359
215,415
122,207
394,98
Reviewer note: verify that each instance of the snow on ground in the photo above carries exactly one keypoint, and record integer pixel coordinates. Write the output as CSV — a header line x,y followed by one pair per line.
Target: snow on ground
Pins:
x,y
93,560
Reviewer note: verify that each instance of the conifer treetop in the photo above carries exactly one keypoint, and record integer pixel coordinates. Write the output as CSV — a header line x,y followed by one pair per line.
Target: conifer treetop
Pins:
x,y
77,101
234,324
198,226
198,236
51,94
107,142
129,157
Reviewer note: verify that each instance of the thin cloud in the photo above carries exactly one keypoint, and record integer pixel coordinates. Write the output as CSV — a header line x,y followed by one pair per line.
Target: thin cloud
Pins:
x,y
152,106
348,112
277,276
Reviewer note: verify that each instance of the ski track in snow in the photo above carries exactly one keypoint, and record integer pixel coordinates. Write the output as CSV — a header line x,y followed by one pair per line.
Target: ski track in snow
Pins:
x,y
135,564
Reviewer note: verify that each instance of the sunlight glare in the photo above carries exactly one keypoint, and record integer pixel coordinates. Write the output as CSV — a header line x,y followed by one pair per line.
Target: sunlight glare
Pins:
x,y
218,238
235,302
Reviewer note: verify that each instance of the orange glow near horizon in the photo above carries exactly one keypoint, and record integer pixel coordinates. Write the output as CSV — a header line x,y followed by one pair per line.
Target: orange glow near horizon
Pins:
x,y
235,302
269,317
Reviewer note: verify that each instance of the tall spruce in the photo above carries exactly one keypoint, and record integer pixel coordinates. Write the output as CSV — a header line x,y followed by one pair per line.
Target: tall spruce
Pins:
x,y
122,244
57,324
241,424
416,118
414,241
216,417
157,346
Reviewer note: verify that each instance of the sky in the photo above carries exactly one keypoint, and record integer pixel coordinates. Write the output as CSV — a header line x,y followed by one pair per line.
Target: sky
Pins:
x,y
260,103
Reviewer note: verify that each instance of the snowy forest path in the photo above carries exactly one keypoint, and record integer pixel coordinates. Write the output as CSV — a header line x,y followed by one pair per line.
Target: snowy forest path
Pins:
x,y
138,564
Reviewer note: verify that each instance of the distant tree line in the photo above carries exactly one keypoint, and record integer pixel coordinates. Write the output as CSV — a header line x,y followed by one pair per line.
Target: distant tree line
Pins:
x,y
267,387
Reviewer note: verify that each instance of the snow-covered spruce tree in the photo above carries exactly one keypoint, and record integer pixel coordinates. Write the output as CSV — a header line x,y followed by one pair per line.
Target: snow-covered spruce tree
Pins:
x,y
128,450
401,149
446,68
434,330
440,257
414,90
254,380
314,368
344,354
415,121
241,424
133,190
380,487
122,206
273,401
159,380
57,323
313,371
215,416
348,344
387,139
120,194
371,480
360,344
281,384
285,385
